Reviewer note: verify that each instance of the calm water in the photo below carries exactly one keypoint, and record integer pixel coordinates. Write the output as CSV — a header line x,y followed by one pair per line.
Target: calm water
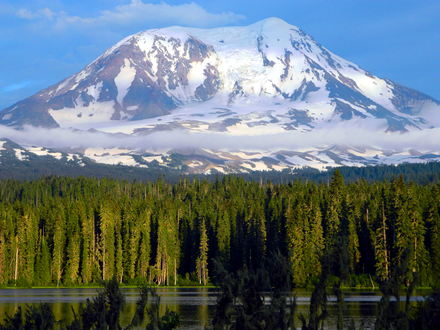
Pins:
x,y
195,306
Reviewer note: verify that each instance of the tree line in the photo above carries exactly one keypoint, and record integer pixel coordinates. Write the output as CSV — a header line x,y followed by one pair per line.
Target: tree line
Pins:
x,y
36,167
72,231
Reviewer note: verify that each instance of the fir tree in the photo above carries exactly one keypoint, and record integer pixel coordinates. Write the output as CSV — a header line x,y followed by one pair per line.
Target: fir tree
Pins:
x,y
143,256
58,249
202,259
107,240
43,263
73,246
334,209
88,245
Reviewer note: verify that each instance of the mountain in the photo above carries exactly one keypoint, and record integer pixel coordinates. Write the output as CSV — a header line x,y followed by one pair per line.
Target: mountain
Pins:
x,y
261,80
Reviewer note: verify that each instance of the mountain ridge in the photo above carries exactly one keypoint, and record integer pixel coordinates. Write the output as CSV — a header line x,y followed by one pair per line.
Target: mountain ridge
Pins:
x,y
264,79
174,66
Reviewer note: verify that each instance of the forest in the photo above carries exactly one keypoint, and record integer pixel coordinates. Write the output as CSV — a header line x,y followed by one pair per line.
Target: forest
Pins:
x,y
63,231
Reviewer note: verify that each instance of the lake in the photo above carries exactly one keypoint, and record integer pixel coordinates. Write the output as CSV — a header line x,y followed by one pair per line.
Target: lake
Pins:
x,y
194,305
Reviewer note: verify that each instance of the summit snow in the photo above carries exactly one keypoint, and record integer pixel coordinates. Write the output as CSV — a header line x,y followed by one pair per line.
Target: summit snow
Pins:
x,y
264,79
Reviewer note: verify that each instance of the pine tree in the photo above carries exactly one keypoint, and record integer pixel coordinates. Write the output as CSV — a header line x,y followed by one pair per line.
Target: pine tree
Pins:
x,y
58,249
334,210
143,256
28,229
223,234
295,224
107,239
119,257
433,219
73,246
202,259
87,244
3,260
7,236
43,263
163,248
130,239
353,243
382,264
314,241
259,233
397,217
416,235
174,240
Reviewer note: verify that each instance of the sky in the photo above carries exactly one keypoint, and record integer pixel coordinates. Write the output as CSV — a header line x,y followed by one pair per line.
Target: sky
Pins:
x,y
44,41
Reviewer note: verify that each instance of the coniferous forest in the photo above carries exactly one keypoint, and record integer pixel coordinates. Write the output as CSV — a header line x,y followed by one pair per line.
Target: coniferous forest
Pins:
x,y
65,231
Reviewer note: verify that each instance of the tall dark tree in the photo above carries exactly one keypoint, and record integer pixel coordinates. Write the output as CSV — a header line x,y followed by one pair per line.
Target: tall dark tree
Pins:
x,y
202,259
334,213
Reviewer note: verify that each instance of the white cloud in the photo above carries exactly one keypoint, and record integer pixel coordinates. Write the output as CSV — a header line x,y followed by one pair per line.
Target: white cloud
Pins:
x,y
45,13
24,13
17,86
186,14
423,141
137,12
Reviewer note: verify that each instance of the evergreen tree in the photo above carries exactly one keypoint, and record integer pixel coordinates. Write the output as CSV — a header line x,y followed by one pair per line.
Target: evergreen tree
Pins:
x,y
82,230
119,257
397,217
143,256
7,242
416,235
130,239
334,210
381,248
314,240
27,242
295,224
88,245
162,257
43,263
433,220
202,259
352,214
73,246
107,239
3,261
223,234
58,248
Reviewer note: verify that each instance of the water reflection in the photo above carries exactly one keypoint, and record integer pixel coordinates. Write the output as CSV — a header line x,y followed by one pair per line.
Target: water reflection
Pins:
x,y
194,305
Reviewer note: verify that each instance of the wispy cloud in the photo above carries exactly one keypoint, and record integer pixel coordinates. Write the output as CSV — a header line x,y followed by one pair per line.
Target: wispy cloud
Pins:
x,y
17,86
138,12
45,13
423,141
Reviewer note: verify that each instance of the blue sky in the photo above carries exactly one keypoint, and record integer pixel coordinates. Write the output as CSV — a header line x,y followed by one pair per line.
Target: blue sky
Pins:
x,y
45,41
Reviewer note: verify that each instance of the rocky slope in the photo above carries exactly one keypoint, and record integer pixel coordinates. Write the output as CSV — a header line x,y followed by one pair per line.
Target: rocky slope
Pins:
x,y
265,79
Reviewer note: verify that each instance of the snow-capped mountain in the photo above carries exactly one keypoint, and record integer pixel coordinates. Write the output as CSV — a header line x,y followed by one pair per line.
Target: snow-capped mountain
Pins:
x,y
264,79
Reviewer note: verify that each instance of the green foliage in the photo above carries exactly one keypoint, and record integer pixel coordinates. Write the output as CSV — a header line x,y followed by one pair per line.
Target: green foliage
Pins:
x,y
14,322
103,311
170,320
100,313
37,317
64,231
242,304
188,280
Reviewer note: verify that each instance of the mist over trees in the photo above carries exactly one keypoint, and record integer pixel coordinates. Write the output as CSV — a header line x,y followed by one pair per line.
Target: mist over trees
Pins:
x,y
65,231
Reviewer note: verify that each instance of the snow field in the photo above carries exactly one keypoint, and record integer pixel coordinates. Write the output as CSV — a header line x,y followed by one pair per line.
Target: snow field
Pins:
x,y
124,80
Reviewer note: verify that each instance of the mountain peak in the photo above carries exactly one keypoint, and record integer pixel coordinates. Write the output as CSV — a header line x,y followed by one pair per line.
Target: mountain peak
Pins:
x,y
266,78
269,63
274,22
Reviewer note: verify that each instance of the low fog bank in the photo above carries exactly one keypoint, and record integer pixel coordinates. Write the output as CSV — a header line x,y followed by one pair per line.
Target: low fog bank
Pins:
x,y
424,141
